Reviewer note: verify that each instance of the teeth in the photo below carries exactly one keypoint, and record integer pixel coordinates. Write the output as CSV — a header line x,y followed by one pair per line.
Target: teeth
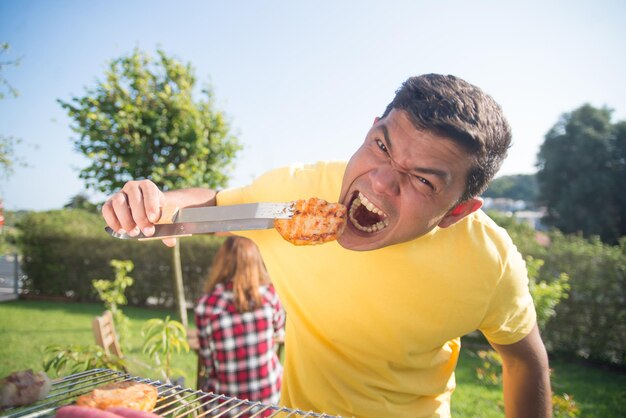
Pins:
x,y
362,200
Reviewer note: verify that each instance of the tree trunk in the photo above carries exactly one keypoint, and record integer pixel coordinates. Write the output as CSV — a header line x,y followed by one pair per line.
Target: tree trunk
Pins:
x,y
179,288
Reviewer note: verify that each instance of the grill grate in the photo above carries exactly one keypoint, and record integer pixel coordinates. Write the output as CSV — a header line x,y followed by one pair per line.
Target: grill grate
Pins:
x,y
173,401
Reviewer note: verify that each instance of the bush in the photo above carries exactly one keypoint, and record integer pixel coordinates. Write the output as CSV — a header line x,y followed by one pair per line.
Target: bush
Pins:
x,y
591,322
64,250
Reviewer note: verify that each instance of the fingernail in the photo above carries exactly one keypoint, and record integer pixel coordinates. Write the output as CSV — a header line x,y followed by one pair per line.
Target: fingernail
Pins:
x,y
121,231
134,232
148,231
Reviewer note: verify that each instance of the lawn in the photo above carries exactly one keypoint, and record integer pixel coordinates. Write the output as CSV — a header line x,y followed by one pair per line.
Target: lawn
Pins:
x,y
28,326
598,392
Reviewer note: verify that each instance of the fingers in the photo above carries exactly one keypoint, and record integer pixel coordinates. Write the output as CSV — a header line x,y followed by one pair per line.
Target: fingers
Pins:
x,y
153,200
170,242
108,213
135,208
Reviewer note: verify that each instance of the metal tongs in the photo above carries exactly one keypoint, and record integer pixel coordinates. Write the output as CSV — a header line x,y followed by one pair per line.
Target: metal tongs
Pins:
x,y
185,222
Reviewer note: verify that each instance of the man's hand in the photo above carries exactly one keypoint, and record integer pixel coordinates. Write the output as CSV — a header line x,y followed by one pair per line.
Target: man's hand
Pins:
x,y
135,208
139,205
526,377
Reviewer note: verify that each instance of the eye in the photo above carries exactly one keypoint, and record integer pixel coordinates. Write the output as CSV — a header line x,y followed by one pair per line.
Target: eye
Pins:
x,y
424,181
382,146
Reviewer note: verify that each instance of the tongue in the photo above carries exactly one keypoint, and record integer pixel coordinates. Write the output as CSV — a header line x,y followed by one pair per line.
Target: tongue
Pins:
x,y
365,217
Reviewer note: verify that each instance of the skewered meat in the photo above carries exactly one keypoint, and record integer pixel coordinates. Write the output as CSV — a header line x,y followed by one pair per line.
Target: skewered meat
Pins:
x,y
23,388
129,394
314,221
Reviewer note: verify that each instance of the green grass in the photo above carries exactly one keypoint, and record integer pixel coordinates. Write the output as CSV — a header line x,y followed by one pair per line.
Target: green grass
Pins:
x,y
473,398
598,392
28,326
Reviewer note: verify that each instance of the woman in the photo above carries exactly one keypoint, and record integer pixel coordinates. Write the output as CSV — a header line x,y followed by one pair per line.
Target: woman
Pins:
x,y
239,320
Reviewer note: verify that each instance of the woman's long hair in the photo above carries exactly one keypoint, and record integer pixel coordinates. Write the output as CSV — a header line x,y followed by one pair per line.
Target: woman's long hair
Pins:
x,y
239,260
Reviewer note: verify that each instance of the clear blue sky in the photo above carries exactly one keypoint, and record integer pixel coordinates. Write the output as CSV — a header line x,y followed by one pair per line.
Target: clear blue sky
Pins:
x,y
303,81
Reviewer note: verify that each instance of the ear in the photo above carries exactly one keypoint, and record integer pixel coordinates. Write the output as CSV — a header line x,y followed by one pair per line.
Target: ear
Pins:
x,y
460,211
376,119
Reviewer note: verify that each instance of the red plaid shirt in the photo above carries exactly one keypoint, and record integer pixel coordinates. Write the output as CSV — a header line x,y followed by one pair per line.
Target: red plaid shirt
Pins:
x,y
238,349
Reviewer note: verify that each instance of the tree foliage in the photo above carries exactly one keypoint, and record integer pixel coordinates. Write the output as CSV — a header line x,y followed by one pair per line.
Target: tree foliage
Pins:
x,y
81,201
581,174
165,337
546,294
143,122
5,86
8,159
591,321
517,187
7,143
64,360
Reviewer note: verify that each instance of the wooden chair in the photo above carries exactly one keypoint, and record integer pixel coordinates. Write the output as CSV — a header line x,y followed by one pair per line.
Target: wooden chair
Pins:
x,y
104,332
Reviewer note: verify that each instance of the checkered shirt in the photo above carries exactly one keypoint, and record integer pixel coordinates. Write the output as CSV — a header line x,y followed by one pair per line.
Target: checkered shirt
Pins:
x,y
238,349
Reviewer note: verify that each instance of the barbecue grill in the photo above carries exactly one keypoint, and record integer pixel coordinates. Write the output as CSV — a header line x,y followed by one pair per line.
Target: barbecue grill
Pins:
x,y
174,401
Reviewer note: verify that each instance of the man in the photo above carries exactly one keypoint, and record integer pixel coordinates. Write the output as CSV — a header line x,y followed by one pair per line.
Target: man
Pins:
x,y
375,319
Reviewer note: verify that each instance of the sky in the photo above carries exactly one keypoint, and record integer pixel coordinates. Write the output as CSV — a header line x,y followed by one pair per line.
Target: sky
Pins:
x,y
303,81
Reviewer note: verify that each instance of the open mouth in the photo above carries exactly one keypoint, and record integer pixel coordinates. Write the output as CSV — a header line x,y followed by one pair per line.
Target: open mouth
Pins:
x,y
365,216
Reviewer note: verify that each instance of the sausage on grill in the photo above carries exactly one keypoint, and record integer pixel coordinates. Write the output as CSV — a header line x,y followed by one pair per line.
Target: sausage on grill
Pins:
x,y
23,388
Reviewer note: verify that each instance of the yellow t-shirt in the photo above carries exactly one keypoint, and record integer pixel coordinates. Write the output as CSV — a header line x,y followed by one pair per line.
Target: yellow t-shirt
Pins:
x,y
377,333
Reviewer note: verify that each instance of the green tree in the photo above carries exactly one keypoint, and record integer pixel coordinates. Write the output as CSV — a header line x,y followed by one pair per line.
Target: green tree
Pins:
x,y
7,143
81,201
581,170
619,167
142,121
8,158
517,187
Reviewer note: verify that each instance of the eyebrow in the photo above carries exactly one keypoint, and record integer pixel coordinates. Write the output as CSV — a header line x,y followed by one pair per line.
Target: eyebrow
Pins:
x,y
444,175
386,135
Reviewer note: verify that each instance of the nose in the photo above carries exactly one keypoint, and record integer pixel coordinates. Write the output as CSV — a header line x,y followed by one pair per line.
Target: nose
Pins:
x,y
385,180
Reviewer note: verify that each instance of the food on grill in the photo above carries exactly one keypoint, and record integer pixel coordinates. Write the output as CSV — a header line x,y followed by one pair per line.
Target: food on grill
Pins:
x,y
173,400
129,394
314,221
131,413
73,411
23,388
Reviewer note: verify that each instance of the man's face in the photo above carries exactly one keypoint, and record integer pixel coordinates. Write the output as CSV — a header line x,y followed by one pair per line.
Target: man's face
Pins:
x,y
400,184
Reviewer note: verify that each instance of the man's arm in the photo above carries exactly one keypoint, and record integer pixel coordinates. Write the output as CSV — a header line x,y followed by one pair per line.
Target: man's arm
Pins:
x,y
526,377
139,204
